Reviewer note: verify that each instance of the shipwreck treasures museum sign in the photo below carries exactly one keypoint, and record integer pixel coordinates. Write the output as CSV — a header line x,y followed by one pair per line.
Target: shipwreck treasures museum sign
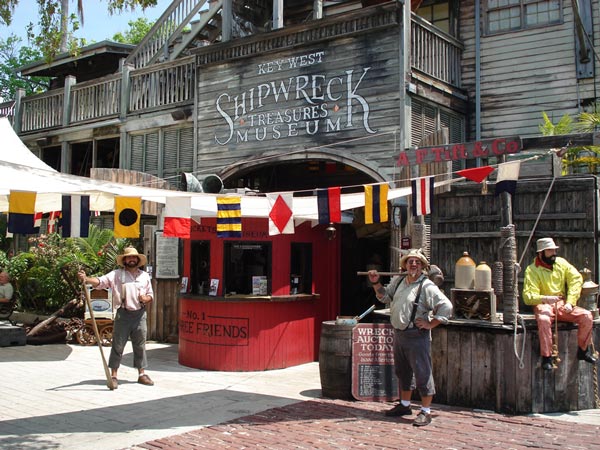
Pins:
x,y
297,100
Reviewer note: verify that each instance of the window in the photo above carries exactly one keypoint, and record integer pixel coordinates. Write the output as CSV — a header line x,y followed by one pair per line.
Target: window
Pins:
x,y
244,260
436,13
200,268
301,268
511,15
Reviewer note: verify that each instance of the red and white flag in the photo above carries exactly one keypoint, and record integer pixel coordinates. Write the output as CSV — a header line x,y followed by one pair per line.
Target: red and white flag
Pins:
x,y
37,220
281,216
52,219
178,217
422,196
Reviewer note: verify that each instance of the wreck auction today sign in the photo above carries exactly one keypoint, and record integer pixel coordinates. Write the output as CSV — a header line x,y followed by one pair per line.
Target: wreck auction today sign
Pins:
x,y
457,152
373,377
292,97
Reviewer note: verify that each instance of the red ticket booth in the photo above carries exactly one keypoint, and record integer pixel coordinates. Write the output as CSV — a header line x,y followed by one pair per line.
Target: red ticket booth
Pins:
x,y
256,302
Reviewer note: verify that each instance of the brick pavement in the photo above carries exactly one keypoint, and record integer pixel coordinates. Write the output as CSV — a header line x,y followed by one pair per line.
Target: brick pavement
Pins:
x,y
339,424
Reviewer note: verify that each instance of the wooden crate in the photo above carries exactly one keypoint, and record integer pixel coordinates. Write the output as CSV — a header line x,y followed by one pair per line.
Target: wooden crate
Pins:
x,y
474,305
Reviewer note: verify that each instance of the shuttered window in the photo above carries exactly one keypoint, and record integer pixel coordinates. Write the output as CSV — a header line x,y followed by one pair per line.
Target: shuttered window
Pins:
x,y
427,119
178,155
164,156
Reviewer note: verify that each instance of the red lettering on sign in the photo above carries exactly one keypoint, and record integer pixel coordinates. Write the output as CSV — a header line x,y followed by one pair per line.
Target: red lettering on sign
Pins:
x,y
421,154
402,160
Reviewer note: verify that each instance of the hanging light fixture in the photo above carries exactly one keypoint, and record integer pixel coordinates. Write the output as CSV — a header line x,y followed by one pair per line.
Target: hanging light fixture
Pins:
x,y
331,231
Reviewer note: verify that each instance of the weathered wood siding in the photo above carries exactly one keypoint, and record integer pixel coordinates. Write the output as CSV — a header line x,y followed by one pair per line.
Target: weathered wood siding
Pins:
x,y
525,73
476,366
467,220
345,92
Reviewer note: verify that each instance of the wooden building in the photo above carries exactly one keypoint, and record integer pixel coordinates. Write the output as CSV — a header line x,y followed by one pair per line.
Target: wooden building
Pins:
x,y
274,96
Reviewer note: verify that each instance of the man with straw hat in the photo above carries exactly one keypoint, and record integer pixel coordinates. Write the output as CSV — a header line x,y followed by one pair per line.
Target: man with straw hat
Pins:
x,y
552,286
131,292
416,306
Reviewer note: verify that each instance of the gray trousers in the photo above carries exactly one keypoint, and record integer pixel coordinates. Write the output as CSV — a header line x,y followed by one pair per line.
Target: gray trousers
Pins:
x,y
129,324
412,360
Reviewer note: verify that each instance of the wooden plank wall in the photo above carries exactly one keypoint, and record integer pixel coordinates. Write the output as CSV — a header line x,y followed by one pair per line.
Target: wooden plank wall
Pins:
x,y
467,220
476,366
375,49
525,73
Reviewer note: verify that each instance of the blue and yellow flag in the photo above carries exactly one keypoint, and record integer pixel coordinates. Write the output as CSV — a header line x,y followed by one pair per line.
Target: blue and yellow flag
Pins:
x,y
376,206
229,217
21,212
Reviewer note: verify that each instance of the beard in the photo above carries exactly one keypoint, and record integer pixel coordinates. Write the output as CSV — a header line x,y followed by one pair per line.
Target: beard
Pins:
x,y
548,259
131,264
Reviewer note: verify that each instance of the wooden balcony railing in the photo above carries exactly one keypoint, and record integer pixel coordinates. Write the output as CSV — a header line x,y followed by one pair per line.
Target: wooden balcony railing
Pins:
x,y
42,111
164,85
96,99
434,52
7,109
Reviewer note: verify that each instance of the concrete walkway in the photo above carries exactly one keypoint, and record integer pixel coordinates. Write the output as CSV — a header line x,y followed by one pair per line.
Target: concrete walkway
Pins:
x,y
55,397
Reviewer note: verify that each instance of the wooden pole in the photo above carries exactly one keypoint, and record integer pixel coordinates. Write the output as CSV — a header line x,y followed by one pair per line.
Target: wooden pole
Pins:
x,y
98,340
383,274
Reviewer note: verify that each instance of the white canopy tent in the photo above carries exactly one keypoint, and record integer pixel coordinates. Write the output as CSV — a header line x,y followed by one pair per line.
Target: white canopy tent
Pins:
x,y
21,170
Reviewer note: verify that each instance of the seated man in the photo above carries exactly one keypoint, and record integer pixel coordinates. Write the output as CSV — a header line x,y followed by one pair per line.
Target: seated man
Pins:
x,y
552,286
6,289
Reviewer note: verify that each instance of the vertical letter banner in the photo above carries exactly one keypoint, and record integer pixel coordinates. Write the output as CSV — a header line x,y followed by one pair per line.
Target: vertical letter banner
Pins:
x,y
127,217
21,209
508,174
376,205
329,205
229,217
422,196
75,220
281,217
178,217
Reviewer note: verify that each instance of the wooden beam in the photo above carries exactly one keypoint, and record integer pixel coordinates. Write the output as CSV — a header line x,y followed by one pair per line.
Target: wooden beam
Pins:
x,y
227,23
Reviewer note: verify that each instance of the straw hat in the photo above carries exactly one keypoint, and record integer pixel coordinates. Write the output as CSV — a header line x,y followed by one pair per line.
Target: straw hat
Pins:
x,y
414,253
130,251
545,244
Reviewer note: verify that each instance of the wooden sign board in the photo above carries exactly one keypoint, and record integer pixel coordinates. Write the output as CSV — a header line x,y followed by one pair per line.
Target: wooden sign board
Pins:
x,y
373,377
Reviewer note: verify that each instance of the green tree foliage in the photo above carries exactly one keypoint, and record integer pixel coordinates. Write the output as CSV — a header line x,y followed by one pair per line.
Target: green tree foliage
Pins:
x,y
137,30
54,22
13,56
576,159
45,276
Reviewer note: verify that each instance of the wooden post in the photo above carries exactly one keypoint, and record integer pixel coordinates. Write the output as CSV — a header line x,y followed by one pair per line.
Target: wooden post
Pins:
x,y
277,14
97,334
227,24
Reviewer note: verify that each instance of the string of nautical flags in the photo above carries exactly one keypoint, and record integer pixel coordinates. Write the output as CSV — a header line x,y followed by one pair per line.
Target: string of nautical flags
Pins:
x,y
73,219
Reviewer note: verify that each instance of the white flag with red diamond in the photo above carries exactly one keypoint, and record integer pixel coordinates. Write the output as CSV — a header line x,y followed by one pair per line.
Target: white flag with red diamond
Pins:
x,y
281,216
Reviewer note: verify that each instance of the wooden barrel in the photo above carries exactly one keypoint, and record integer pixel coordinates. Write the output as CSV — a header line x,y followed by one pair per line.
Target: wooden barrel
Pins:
x,y
335,360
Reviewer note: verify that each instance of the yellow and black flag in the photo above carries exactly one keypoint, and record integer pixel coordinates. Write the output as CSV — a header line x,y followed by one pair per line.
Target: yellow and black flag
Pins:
x,y
127,217
376,205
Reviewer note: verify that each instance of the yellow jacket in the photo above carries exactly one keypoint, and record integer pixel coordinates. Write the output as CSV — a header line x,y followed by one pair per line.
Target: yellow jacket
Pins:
x,y
562,279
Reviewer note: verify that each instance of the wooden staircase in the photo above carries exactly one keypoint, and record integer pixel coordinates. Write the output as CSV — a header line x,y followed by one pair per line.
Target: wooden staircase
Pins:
x,y
184,24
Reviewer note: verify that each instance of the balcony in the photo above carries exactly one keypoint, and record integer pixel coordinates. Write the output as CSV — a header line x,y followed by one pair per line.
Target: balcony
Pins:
x,y
169,85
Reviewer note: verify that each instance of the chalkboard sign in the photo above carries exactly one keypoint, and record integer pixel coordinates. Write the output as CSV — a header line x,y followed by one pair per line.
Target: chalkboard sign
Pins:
x,y
373,377
167,257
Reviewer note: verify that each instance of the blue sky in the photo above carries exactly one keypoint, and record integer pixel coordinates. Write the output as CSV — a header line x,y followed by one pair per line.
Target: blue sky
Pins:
x,y
98,24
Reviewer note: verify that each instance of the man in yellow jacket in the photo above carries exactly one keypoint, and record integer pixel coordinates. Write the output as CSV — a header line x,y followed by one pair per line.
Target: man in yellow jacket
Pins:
x,y
552,286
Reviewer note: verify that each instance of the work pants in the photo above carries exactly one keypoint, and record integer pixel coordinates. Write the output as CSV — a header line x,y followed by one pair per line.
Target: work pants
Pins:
x,y
545,315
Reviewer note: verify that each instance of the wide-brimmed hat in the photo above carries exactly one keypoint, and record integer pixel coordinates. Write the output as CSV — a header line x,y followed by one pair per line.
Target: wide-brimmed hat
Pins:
x,y
545,244
414,253
130,251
